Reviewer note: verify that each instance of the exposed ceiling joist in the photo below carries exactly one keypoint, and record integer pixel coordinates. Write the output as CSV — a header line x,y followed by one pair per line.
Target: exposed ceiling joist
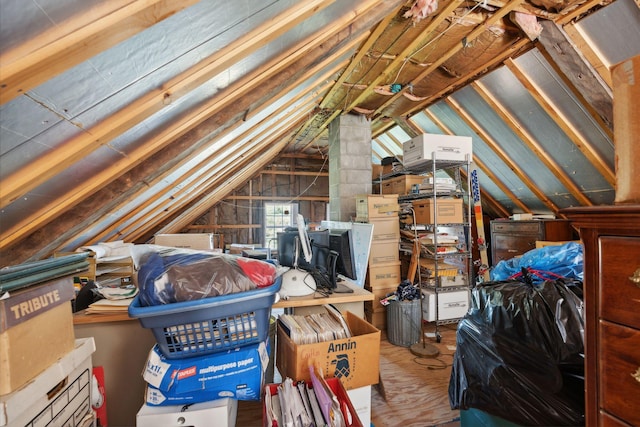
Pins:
x,y
102,133
533,145
562,121
65,46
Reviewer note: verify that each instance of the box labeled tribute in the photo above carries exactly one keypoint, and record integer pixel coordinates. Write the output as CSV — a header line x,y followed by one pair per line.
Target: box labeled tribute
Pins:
x,y
32,319
354,360
237,373
423,149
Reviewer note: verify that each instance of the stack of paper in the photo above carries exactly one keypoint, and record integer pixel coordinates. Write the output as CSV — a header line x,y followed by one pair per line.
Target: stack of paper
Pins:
x,y
107,306
315,327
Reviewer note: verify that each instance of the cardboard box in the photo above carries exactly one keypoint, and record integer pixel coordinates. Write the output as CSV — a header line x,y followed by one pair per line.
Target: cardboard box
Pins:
x,y
383,275
450,211
36,329
371,206
355,360
384,251
377,319
237,373
400,184
451,304
198,241
221,412
385,229
59,396
420,151
625,78
378,294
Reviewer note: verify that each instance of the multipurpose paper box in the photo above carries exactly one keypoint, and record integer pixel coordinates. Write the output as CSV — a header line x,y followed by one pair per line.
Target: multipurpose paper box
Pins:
x,y
354,360
237,373
36,329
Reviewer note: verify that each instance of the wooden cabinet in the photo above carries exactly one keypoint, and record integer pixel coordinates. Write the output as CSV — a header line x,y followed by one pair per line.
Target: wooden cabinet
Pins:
x,y
513,238
611,237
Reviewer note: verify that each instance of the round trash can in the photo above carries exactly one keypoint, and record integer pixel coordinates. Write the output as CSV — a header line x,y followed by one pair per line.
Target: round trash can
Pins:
x,y
403,322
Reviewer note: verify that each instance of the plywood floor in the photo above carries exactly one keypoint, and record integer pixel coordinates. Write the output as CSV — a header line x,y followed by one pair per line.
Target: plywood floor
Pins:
x,y
413,391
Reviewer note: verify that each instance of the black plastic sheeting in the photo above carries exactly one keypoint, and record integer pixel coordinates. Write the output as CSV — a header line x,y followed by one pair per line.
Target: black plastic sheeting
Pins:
x,y
519,353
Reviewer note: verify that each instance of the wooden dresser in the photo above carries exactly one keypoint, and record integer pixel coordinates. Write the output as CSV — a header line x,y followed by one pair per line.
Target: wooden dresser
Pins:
x,y
611,237
513,238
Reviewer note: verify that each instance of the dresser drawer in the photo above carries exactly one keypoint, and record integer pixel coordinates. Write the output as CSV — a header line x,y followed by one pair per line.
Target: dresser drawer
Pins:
x,y
520,227
620,371
619,296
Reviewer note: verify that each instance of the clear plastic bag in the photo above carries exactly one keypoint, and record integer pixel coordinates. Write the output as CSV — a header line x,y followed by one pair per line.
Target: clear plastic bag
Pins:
x,y
167,275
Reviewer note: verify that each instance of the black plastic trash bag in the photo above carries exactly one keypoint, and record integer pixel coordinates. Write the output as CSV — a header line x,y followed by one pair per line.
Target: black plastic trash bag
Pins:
x,y
519,353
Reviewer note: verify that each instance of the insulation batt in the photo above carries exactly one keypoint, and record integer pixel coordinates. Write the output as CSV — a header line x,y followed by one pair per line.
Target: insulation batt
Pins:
x,y
421,9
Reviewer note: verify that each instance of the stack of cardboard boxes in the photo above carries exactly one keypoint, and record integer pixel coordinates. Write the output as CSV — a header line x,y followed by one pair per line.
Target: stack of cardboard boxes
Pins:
x,y
383,271
45,373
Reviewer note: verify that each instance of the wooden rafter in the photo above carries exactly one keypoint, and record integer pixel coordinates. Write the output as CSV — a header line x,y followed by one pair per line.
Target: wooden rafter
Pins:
x,y
563,123
508,161
475,33
169,134
46,167
371,38
480,164
531,142
58,50
162,193
231,181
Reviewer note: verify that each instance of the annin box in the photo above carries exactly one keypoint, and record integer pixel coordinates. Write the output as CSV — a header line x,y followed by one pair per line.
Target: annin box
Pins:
x,y
354,360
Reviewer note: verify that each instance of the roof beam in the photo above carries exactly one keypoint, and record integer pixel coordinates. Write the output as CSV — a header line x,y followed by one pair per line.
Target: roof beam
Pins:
x,y
530,142
170,133
58,50
560,49
212,179
563,122
508,161
240,145
475,33
263,154
46,167
481,165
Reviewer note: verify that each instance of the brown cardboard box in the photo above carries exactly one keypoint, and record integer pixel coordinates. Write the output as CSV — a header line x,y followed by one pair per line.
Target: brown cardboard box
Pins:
x,y
359,356
626,120
400,184
385,228
371,206
384,251
383,275
36,329
378,294
377,318
198,241
450,211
